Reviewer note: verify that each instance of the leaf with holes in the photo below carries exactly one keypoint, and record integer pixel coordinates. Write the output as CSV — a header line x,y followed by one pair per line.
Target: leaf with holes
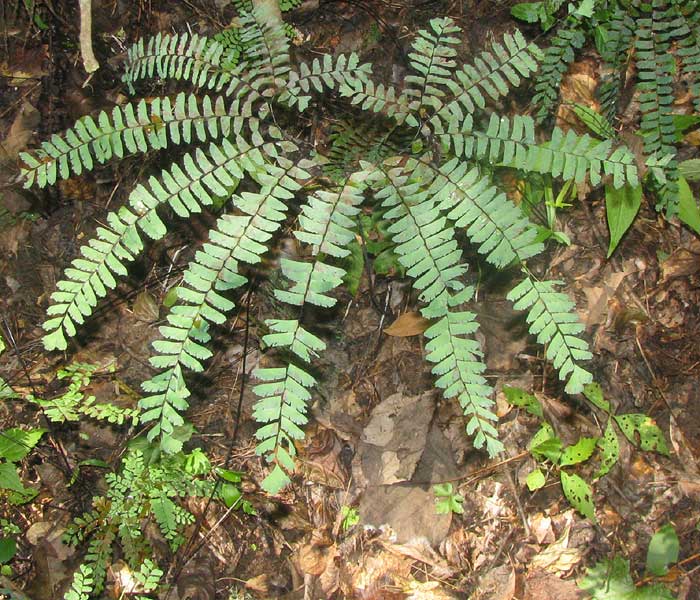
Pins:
x,y
520,398
610,447
650,439
580,452
594,394
579,494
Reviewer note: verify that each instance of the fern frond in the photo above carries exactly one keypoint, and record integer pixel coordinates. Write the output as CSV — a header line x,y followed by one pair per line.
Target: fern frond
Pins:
x,y
99,556
493,74
326,225
433,58
82,585
184,189
191,58
616,53
557,58
427,246
499,228
567,155
267,52
214,270
321,76
377,98
553,320
130,129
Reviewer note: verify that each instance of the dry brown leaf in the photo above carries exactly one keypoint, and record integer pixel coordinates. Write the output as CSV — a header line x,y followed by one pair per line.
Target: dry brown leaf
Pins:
x,y
313,558
408,324
682,262
21,131
258,584
146,308
558,557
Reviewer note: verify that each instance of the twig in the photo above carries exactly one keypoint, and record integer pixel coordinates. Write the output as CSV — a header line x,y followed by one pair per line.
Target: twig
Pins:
x,y
89,61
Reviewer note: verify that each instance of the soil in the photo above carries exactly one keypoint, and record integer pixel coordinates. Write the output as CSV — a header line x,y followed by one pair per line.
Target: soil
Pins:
x,y
641,309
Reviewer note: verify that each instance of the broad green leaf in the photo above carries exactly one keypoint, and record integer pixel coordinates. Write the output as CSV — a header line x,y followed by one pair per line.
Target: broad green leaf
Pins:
x,y
610,447
230,494
16,443
611,580
663,550
580,452
594,394
527,11
520,398
690,169
688,211
621,206
231,476
9,479
579,494
651,439
585,9
535,480
8,549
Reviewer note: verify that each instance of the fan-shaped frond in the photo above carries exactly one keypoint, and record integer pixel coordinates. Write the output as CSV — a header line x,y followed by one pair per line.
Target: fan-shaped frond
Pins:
x,y
192,58
328,74
433,58
131,128
185,189
213,271
493,74
553,320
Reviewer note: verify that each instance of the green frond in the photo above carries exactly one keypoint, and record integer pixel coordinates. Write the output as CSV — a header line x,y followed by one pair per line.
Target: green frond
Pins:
x,y
557,58
281,409
321,76
82,585
130,129
213,272
493,74
433,59
552,318
427,246
325,224
376,98
185,189
191,58
512,143
267,52
616,53
493,223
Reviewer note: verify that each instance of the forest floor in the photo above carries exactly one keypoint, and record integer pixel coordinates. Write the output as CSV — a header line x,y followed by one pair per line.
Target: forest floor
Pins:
x,y
379,437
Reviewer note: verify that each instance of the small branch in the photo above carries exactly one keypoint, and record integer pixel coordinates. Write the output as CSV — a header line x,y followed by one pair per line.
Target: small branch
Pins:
x,y
89,61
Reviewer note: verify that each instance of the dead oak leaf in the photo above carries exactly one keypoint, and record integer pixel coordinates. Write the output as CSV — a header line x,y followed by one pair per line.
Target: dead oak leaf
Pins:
x,y
408,324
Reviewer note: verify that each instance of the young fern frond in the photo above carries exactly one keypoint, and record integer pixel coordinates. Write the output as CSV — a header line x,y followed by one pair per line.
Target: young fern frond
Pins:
x,y
428,248
553,320
82,585
493,74
432,58
191,58
326,225
214,271
129,129
201,179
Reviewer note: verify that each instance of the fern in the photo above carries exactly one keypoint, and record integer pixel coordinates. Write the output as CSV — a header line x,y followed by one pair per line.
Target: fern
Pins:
x,y
422,158
82,584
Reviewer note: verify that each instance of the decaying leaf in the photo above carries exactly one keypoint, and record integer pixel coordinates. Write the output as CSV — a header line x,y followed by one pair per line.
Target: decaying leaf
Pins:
x,y
408,324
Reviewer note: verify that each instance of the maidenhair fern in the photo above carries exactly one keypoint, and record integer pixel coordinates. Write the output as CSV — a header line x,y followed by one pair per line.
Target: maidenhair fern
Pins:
x,y
654,36
425,168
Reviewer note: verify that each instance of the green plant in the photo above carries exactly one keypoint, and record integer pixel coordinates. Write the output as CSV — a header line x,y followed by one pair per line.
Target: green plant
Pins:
x,y
548,450
145,490
447,500
429,195
15,445
72,404
655,35
611,579
350,517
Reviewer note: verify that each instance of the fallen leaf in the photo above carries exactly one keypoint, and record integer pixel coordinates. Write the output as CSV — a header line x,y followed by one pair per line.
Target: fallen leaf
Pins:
x,y
146,308
408,324
682,262
21,131
558,557
258,584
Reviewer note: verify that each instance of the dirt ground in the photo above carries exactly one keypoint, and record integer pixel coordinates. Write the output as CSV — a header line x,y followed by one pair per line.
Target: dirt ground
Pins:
x,y
641,309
